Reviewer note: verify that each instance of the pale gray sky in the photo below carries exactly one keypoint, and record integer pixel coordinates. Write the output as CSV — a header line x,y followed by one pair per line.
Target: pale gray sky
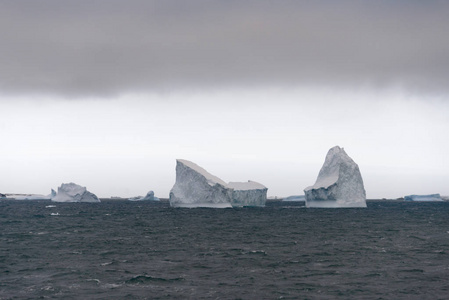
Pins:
x,y
109,93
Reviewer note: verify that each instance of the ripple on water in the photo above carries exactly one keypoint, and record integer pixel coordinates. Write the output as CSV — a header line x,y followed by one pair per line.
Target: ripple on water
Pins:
x,y
119,250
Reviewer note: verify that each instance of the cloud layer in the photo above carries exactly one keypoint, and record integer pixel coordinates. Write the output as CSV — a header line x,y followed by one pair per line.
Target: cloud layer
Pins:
x,y
102,48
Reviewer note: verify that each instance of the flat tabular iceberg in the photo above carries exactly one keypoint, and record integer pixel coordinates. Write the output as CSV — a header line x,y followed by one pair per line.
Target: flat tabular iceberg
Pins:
x,y
195,187
298,198
71,192
29,196
432,197
248,194
32,197
339,183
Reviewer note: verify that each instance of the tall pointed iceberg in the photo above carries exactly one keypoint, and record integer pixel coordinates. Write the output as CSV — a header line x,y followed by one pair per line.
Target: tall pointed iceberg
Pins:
x,y
339,183
195,187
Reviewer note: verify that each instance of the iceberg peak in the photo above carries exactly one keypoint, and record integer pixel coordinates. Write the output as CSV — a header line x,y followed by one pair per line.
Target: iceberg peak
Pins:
x,y
339,183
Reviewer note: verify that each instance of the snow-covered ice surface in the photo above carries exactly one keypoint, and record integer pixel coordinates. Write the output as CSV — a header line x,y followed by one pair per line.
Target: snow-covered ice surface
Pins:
x,y
195,187
431,197
71,192
148,197
339,183
248,193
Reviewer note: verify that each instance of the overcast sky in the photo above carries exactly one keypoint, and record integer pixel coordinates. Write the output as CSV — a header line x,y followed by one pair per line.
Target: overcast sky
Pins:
x,y
108,94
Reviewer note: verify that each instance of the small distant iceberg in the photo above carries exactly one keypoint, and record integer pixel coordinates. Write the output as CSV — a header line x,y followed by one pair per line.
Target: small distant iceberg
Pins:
x,y
148,197
52,194
249,193
339,183
26,197
33,197
295,198
71,192
423,198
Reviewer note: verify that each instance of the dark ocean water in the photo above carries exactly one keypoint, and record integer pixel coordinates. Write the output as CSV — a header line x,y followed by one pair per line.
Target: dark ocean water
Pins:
x,y
147,250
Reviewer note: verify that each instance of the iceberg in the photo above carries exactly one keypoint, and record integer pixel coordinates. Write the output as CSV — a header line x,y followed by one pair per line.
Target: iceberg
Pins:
x,y
32,197
148,197
339,183
248,193
52,194
26,196
295,198
195,187
71,192
432,197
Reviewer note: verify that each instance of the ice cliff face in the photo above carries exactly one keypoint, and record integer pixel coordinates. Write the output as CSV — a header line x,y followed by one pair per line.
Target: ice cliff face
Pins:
x,y
248,194
71,192
195,187
432,197
339,183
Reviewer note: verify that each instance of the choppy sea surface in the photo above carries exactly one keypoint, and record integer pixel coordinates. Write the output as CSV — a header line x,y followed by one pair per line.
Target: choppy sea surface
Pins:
x,y
147,250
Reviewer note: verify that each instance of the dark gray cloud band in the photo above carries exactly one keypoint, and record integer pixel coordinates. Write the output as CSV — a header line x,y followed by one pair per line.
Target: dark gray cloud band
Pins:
x,y
100,48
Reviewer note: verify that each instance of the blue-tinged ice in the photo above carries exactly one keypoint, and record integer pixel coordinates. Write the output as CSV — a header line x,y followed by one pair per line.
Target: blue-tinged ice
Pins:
x,y
431,197
52,194
148,197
